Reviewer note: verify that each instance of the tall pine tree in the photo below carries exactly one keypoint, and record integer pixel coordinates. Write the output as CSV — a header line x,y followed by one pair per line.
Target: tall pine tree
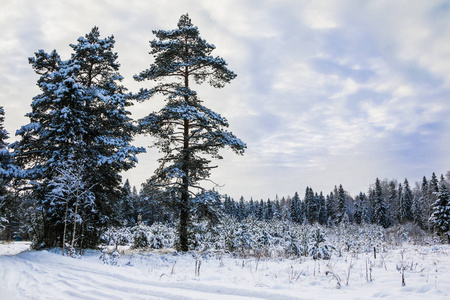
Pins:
x,y
186,131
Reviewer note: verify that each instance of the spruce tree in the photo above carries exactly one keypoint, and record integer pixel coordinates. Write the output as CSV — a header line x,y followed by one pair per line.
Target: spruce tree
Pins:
x,y
322,210
269,211
342,207
8,171
393,200
407,203
295,209
440,218
186,131
331,208
380,211
81,113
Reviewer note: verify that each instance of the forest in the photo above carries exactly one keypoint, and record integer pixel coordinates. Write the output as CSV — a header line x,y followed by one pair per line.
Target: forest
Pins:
x,y
60,183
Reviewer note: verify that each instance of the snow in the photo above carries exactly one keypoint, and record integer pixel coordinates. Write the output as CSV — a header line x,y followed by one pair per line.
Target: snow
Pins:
x,y
167,275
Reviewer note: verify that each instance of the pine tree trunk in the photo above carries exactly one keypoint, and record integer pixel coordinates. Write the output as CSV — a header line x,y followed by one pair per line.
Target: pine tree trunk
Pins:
x,y
184,211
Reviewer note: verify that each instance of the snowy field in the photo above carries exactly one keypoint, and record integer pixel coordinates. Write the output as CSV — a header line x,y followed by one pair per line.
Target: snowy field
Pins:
x,y
149,275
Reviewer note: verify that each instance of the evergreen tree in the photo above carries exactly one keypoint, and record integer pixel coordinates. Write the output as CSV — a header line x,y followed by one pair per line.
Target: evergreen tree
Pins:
x,y
8,171
311,206
269,211
433,189
393,200
406,203
259,210
127,210
186,130
380,211
242,210
358,213
251,208
81,113
331,208
277,210
342,207
440,218
295,209
322,210
425,202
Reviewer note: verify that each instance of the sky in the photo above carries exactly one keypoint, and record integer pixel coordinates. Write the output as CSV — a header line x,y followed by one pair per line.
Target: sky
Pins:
x,y
326,93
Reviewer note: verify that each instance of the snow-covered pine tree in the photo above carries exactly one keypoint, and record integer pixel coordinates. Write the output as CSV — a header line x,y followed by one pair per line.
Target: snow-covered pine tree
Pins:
x,y
277,212
358,211
342,206
81,112
311,206
295,209
126,211
242,210
433,189
331,208
380,211
393,200
322,209
269,211
406,203
440,217
8,170
425,201
186,130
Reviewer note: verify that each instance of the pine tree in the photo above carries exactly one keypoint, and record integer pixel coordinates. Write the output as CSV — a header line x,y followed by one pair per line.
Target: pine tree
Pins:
x,y
440,218
8,171
186,130
311,206
242,210
393,200
81,113
406,203
331,208
269,211
342,206
322,210
277,213
358,214
295,210
380,211
126,210
433,189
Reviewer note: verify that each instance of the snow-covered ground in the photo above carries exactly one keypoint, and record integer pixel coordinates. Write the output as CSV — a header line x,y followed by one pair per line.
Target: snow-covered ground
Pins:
x,y
146,275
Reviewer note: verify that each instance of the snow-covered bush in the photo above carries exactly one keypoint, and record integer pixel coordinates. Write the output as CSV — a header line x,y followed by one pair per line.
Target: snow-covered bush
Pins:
x,y
318,249
110,258
117,236
160,236
141,234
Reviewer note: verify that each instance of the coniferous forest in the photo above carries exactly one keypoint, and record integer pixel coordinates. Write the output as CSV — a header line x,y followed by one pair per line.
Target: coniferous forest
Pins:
x,y
60,183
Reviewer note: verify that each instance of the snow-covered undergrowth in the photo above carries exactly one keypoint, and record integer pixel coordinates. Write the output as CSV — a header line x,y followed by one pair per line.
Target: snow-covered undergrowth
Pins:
x,y
164,274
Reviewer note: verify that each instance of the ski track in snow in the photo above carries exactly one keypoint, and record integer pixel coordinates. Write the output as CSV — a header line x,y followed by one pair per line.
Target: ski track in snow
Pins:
x,y
47,275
